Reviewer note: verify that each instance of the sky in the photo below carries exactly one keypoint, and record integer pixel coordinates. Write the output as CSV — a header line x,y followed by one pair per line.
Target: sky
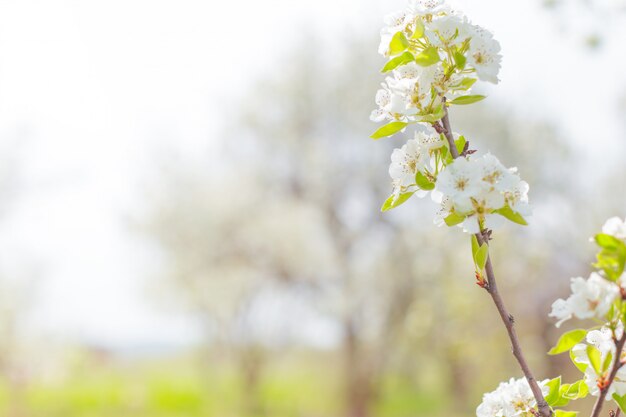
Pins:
x,y
91,92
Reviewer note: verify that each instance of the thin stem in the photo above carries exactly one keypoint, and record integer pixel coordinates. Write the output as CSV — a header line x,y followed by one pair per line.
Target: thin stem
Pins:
x,y
617,363
492,288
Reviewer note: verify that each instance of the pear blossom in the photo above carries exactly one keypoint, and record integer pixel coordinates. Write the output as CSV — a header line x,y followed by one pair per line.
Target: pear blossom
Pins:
x,y
590,298
615,227
511,399
601,339
427,7
478,187
411,158
484,55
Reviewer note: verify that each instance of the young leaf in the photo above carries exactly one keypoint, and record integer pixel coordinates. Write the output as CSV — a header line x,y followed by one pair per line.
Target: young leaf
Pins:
x,y
388,130
460,143
423,182
621,401
563,413
419,29
467,99
398,43
595,358
514,216
475,247
390,204
608,241
453,219
581,366
395,62
555,386
481,256
428,57
435,115
575,391
459,60
465,84
567,341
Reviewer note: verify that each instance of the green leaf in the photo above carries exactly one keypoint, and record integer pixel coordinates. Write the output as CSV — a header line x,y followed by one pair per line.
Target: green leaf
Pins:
x,y
395,62
465,84
475,247
621,401
423,182
567,341
608,241
467,99
460,143
553,396
390,204
574,391
563,413
428,57
398,43
481,256
436,114
453,219
388,130
514,216
419,29
595,358
459,60
581,366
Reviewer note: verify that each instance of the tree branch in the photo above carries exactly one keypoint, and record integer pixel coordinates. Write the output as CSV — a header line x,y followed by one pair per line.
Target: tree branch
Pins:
x,y
617,363
492,288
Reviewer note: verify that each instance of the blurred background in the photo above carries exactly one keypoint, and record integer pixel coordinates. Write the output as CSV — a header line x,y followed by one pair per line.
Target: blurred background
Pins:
x,y
189,208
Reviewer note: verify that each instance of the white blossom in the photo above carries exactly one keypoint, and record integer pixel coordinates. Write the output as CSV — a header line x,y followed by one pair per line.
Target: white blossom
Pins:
x,y
511,399
590,298
603,340
615,227
484,55
478,187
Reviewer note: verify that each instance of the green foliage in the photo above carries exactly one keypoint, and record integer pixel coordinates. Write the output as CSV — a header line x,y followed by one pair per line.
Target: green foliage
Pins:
x,y
561,394
460,144
480,258
418,32
553,396
395,62
388,129
567,341
428,57
621,401
563,413
423,182
459,60
612,256
595,358
581,366
467,99
453,219
513,216
398,43
436,114
391,204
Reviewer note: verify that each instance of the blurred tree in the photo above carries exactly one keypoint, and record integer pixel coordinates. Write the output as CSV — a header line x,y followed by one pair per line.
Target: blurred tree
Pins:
x,y
297,209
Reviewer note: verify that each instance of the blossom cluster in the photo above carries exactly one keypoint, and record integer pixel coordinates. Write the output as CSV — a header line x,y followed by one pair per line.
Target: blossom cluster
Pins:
x,y
594,297
603,342
511,399
434,52
476,192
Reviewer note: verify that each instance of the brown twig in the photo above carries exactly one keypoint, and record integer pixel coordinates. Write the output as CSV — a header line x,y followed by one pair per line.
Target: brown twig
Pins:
x,y
492,288
617,363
